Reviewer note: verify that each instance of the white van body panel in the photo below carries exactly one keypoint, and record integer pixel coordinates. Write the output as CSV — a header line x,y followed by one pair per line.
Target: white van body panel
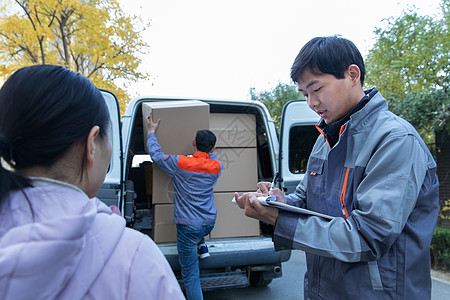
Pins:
x,y
295,113
111,191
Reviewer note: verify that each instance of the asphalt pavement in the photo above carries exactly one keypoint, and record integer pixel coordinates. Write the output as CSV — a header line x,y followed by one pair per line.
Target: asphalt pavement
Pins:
x,y
290,285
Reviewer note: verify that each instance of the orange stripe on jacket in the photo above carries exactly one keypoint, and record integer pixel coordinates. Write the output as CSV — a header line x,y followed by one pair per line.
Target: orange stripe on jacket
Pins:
x,y
344,189
199,163
342,130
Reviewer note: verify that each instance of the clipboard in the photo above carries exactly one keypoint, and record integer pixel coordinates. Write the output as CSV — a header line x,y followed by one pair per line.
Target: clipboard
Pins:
x,y
271,201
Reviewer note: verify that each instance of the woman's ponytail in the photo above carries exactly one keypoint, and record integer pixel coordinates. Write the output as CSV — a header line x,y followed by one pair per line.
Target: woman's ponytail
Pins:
x,y
9,180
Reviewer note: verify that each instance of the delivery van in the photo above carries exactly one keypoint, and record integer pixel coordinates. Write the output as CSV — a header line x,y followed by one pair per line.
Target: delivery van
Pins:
x,y
250,149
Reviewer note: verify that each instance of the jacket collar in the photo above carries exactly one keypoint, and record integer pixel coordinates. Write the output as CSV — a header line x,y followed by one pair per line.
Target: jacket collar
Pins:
x,y
332,131
363,117
200,154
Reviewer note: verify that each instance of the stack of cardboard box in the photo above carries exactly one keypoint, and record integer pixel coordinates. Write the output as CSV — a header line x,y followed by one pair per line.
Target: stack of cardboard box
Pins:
x,y
236,149
180,120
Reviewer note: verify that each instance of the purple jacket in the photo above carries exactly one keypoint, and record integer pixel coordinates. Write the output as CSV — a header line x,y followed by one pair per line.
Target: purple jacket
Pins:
x,y
76,248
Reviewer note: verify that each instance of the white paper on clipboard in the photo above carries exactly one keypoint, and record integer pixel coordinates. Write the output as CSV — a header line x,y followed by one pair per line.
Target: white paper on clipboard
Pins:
x,y
270,201
296,209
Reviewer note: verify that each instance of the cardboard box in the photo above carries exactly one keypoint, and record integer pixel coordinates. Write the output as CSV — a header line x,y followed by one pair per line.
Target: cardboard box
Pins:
x,y
234,130
162,187
231,220
180,121
240,170
164,229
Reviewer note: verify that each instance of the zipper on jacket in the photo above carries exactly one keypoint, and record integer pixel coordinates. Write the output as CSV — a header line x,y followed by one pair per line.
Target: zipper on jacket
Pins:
x,y
344,189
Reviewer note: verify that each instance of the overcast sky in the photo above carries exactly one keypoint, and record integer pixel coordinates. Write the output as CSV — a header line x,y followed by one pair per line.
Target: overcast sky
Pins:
x,y
221,49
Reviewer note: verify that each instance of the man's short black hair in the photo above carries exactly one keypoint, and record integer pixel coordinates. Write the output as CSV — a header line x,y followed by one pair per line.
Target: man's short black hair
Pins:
x,y
328,55
205,140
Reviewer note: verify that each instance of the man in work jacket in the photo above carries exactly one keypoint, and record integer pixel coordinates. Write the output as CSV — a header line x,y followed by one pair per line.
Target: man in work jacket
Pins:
x,y
371,171
193,180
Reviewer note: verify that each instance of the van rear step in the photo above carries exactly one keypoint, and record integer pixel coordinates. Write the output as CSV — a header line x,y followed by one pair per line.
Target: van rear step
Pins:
x,y
214,281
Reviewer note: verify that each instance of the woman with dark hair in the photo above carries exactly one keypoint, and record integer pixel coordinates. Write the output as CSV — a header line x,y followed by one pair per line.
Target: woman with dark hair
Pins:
x,y
57,241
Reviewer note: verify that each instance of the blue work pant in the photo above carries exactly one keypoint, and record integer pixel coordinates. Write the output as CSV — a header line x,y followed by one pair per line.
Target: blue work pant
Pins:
x,y
188,237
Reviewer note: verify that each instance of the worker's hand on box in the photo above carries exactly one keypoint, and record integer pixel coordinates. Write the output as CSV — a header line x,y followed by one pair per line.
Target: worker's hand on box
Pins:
x,y
152,126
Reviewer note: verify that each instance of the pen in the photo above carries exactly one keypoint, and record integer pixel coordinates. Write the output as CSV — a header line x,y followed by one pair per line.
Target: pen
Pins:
x,y
274,181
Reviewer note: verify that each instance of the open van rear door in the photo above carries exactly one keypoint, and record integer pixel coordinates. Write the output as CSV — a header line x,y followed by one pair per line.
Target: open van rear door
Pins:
x,y
297,137
111,190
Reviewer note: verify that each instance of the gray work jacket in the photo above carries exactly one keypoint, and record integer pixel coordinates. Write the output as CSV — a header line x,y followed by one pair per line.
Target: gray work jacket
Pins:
x,y
380,181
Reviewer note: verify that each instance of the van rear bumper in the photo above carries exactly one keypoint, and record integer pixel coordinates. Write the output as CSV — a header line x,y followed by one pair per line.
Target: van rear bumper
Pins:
x,y
232,252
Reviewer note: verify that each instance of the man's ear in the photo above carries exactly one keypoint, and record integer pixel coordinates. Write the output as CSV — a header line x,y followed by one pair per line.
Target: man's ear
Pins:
x,y
212,150
354,73
194,144
92,144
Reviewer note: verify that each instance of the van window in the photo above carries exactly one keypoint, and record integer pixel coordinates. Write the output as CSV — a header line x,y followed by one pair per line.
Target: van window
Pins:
x,y
301,142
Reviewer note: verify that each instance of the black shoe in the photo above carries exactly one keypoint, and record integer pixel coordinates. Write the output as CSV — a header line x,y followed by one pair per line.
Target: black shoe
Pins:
x,y
202,251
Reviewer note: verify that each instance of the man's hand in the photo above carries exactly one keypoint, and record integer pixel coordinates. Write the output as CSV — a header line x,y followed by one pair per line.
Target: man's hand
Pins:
x,y
152,126
279,195
253,209
265,189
